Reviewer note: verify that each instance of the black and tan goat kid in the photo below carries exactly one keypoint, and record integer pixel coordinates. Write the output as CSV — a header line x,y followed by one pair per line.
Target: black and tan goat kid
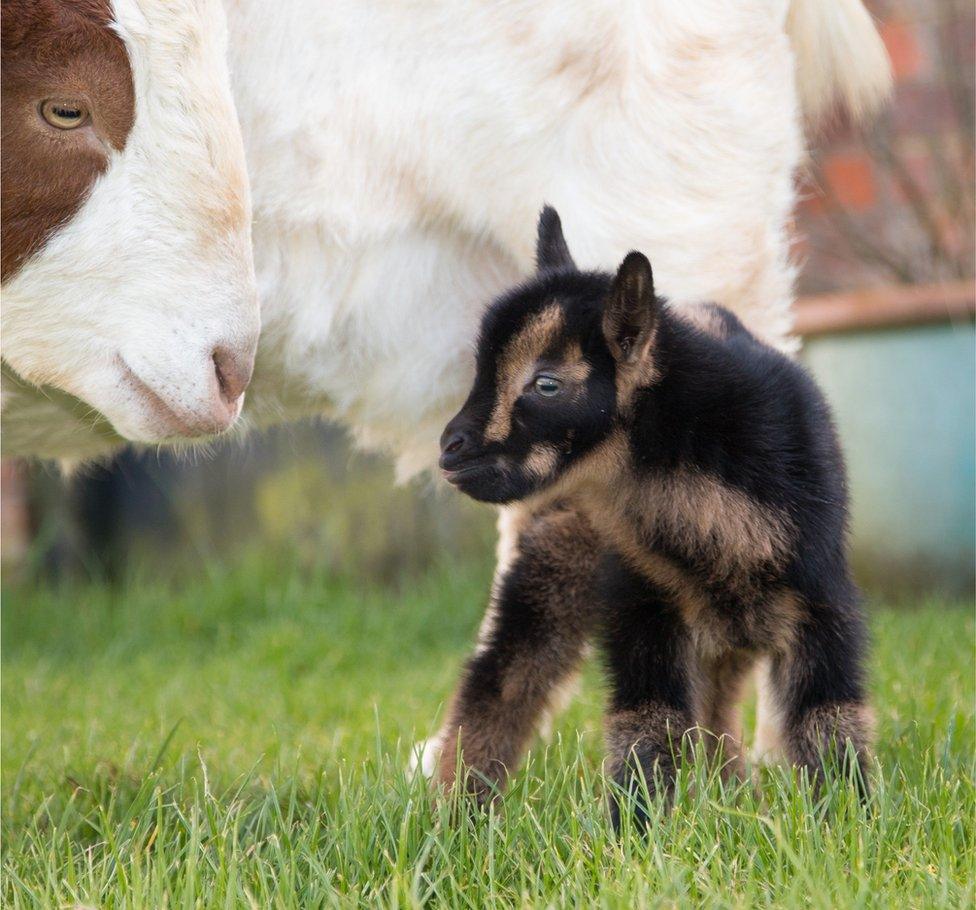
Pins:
x,y
708,467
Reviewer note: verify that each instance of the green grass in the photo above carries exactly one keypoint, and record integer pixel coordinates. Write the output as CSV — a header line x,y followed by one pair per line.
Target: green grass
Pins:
x,y
237,740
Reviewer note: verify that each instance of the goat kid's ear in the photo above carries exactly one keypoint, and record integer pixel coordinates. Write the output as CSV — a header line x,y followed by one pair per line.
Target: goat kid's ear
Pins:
x,y
630,312
551,252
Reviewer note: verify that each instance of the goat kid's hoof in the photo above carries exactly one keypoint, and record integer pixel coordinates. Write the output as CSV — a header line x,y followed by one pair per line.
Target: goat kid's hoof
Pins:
x,y
637,810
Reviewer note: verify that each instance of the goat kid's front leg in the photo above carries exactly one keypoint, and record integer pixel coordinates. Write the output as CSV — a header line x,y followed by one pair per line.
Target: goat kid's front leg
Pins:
x,y
529,648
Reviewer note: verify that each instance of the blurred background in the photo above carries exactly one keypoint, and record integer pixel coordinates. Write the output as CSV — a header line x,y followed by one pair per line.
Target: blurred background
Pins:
x,y
885,238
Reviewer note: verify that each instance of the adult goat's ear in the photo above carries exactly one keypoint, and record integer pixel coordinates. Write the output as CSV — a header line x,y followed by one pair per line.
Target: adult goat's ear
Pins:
x,y
630,312
551,252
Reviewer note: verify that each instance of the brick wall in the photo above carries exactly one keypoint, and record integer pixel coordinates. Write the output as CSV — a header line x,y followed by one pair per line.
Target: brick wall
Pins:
x,y
893,203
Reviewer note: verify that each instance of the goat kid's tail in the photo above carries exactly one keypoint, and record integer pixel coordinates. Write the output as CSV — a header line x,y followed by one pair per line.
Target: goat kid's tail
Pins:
x,y
840,58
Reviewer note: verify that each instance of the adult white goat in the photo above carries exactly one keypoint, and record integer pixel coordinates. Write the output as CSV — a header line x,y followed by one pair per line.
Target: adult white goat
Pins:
x,y
398,154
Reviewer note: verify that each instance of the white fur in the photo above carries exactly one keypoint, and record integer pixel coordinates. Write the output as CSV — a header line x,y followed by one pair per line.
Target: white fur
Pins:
x,y
155,270
840,58
390,206
424,757
399,154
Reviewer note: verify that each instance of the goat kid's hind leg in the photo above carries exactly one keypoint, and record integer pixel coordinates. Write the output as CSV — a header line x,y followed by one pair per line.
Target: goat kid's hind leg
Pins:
x,y
767,749
718,685
819,686
648,653
530,645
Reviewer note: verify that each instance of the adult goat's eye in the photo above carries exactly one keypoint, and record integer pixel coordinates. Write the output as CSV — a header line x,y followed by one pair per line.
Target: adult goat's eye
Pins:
x,y
64,115
547,386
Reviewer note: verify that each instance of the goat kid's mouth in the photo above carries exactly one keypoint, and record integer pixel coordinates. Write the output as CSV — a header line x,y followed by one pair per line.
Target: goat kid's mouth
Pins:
x,y
488,479
457,474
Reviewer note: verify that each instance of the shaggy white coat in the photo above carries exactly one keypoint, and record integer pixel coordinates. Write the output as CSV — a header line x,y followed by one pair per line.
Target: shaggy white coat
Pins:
x,y
398,155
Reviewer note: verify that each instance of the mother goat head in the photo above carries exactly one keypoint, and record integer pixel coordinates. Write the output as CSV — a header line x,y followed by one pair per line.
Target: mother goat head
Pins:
x,y
128,279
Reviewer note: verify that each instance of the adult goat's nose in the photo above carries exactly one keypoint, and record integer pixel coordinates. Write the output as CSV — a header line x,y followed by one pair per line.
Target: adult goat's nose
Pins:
x,y
233,372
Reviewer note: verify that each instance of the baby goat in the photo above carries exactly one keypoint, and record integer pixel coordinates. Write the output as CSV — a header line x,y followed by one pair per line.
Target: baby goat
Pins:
x,y
708,466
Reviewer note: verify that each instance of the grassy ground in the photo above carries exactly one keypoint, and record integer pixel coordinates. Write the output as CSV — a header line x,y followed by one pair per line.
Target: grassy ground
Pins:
x,y
239,740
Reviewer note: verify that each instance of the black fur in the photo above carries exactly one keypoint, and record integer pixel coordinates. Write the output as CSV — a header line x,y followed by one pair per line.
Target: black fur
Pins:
x,y
551,253
647,399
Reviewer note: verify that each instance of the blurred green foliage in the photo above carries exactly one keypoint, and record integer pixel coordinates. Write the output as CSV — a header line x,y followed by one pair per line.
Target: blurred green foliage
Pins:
x,y
299,491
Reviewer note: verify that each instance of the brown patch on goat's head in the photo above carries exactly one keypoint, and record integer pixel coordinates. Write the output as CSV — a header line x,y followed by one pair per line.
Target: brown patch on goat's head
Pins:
x,y
544,384
57,57
541,460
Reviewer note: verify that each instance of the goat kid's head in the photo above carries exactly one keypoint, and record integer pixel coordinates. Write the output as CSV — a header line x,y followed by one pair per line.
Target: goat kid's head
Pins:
x,y
558,361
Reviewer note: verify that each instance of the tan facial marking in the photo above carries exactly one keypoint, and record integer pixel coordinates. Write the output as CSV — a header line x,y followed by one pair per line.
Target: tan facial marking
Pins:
x,y
574,368
541,460
516,364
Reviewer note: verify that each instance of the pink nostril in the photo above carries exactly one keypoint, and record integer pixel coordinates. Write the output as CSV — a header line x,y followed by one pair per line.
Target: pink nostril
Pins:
x,y
454,445
233,373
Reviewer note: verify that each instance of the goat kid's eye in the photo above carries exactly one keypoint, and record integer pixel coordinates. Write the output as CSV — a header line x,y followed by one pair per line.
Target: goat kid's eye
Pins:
x,y
64,115
547,386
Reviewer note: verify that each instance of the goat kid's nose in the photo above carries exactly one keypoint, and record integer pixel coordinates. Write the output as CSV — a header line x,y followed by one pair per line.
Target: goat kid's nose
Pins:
x,y
455,445
233,373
